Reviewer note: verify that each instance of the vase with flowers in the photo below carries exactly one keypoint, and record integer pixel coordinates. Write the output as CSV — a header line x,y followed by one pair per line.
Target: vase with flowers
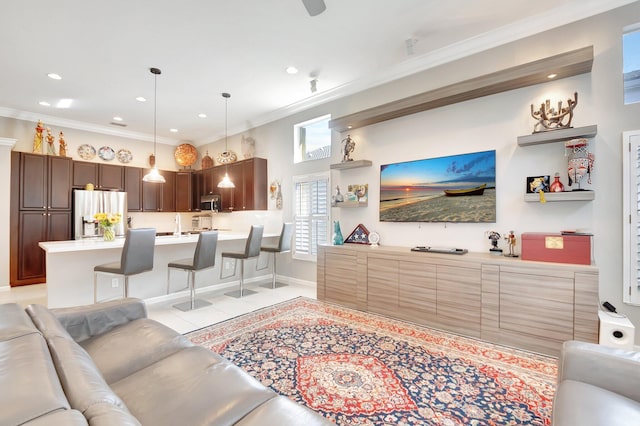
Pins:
x,y
106,222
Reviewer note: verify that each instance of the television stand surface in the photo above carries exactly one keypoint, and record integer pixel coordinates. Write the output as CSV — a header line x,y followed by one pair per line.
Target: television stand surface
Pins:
x,y
446,250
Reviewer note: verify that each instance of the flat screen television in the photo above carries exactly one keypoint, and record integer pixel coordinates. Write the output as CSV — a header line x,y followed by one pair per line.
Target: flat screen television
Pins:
x,y
456,188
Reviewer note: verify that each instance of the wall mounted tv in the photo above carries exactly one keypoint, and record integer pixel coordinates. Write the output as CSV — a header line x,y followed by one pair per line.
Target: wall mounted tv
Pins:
x,y
457,188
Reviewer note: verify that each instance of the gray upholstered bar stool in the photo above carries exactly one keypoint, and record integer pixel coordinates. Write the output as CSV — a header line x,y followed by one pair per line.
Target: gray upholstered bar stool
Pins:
x,y
284,246
136,257
252,249
203,258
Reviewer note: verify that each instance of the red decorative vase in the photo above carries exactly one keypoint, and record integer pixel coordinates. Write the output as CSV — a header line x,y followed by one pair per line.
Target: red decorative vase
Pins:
x,y
556,186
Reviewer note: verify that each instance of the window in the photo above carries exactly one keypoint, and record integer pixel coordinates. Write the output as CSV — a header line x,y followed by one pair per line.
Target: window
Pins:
x,y
631,64
631,215
311,216
312,139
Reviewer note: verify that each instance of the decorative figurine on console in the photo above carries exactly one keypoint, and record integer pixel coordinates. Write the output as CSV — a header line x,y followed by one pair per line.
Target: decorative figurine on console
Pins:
x,y
494,237
347,149
511,241
548,118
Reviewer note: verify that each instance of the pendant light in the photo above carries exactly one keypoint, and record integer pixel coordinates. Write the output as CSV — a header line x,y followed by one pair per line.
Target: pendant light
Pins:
x,y
154,175
226,182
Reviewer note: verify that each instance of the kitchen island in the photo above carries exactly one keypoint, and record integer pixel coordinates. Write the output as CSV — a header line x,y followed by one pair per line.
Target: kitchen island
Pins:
x,y
70,268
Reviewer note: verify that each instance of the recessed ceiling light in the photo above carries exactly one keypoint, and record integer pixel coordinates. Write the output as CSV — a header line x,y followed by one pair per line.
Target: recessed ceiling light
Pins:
x,y
141,99
173,130
202,115
44,103
64,103
116,118
292,70
552,76
54,76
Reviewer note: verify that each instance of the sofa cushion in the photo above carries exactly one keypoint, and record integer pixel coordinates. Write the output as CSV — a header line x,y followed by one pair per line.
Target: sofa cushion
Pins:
x,y
29,387
14,322
132,347
84,322
215,391
282,411
81,380
60,418
578,403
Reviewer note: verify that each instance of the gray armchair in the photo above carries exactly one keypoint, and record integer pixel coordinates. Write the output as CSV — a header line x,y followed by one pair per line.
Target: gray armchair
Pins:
x,y
597,385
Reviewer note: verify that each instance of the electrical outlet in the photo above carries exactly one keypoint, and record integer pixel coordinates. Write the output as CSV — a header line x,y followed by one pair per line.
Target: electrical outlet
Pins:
x,y
114,283
227,265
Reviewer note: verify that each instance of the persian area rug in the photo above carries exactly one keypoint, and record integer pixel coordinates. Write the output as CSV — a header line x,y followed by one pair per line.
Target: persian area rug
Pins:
x,y
356,368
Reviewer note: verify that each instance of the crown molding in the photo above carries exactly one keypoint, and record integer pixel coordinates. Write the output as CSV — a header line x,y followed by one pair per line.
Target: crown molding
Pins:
x,y
8,142
81,125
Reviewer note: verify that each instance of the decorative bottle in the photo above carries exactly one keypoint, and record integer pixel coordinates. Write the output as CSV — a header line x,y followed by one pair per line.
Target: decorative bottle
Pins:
x,y
556,185
338,240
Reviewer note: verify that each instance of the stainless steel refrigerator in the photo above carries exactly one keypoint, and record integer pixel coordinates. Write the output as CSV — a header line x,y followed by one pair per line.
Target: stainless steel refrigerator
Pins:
x,y
87,203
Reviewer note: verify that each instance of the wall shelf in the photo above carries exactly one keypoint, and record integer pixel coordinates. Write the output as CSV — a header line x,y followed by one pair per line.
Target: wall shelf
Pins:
x,y
351,164
558,135
350,204
561,196
565,65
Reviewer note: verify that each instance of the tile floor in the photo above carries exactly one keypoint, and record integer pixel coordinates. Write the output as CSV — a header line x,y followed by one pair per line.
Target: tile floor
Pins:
x,y
222,307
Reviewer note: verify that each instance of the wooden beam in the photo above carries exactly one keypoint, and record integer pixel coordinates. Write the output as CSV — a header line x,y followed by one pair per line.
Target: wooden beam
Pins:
x,y
564,65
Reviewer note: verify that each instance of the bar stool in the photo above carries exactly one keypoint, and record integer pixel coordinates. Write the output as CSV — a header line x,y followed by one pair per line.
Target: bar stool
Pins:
x,y
136,257
284,246
252,249
203,258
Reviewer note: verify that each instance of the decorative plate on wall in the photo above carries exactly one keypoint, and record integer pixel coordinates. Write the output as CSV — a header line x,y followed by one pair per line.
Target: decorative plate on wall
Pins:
x,y
86,152
186,155
124,156
106,153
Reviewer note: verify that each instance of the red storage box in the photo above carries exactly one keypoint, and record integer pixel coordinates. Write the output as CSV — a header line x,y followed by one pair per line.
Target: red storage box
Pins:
x,y
545,247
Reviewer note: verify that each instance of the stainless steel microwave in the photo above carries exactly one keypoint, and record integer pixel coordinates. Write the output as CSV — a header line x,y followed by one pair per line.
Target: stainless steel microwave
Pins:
x,y
210,203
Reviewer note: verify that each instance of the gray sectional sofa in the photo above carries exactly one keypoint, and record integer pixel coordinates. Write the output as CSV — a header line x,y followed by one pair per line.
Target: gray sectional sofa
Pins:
x,y
597,386
108,364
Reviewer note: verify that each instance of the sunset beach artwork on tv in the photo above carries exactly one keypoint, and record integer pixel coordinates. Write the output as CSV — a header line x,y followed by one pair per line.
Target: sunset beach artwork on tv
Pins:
x,y
457,188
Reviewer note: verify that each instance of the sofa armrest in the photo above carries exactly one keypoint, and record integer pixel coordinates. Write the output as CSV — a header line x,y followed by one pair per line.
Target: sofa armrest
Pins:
x,y
616,370
84,322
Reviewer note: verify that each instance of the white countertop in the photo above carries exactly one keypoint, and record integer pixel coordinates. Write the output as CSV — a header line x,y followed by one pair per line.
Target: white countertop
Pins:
x,y
99,244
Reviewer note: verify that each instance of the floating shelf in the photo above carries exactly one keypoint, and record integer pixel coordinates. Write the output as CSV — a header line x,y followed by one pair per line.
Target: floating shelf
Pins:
x,y
565,65
561,196
351,164
558,135
350,204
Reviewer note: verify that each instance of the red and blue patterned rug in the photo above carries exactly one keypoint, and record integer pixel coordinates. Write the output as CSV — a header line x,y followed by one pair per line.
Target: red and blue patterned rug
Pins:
x,y
363,369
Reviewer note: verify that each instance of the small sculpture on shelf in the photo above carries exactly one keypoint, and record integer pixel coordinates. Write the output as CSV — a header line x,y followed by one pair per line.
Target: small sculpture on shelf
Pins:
x,y
494,237
511,241
51,149
62,150
338,239
348,146
580,161
548,118
556,185
338,198
37,138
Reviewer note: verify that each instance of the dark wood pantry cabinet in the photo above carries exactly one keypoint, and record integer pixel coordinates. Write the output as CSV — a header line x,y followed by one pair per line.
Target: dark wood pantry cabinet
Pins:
x,y
41,210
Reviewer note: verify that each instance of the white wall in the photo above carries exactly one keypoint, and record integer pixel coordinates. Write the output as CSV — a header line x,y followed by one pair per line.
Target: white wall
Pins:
x,y
492,122
5,188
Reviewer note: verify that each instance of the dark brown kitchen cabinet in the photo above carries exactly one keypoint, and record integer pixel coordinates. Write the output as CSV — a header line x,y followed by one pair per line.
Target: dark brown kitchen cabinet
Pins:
x,y
40,211
209,184
250,180
133,186
159,197
184,191
102,176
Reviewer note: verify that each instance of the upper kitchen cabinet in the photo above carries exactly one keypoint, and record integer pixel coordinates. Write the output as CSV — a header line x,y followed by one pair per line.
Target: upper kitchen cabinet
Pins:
x,y
44,182
185,183
250,180
159,197
102,176
133,187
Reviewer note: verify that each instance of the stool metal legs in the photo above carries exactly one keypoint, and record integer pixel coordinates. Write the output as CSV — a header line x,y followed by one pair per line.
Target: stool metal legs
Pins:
x,y
242,292
192,303
273,284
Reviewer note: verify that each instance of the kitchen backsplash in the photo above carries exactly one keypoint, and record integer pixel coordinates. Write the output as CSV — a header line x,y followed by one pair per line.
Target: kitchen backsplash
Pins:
x,y
239,221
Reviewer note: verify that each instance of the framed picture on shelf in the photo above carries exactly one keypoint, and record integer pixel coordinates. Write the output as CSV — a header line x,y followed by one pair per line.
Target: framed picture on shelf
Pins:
x,y
537,184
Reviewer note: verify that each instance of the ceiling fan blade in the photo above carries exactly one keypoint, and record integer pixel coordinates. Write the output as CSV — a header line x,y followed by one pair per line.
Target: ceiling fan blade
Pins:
x,y
314,7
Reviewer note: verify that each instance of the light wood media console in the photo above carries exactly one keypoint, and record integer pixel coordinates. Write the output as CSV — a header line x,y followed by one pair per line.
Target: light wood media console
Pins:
x,y
530,305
